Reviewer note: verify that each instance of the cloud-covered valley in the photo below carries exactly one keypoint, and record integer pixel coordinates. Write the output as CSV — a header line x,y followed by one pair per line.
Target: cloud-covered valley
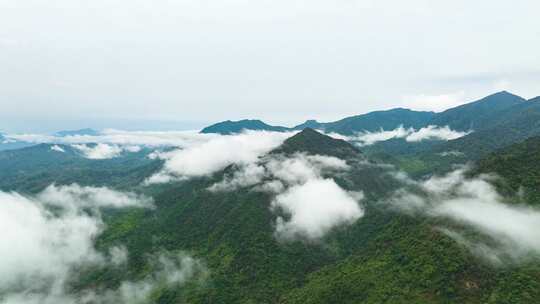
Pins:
x,y
208,157
308,204
49,236
510,230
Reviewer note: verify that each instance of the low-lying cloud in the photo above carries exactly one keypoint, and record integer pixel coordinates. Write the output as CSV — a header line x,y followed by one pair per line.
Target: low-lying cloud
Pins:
x,y
57,148
308,204
410,135
99,151
513,230
208,157
314,208
45,236
434,133
122,138
76,197
169,270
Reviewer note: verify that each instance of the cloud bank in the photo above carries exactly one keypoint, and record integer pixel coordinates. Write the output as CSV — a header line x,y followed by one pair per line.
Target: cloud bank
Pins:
x,y
122,138
169,270
308,204
99,151
513,231
206,158
410,135
314,208
45,236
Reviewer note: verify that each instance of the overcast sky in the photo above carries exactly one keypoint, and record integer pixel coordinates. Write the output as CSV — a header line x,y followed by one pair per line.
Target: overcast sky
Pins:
x,y
142,64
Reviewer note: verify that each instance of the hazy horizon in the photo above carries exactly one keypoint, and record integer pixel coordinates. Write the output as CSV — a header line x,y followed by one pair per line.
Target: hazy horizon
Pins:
x,y
185,64
171,125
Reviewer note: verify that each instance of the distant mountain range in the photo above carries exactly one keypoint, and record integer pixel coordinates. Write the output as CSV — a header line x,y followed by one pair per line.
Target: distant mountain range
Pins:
x,y
476,115
497,120
81,132
10,144
385,257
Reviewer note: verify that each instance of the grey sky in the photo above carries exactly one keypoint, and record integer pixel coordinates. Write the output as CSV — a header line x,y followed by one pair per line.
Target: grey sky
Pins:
x,y
140,64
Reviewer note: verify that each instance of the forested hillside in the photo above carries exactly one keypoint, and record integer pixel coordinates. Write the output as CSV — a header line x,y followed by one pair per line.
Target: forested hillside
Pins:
x,y
388,255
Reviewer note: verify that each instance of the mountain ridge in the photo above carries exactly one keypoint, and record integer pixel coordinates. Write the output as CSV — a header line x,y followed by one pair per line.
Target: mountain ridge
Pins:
x,y
478,114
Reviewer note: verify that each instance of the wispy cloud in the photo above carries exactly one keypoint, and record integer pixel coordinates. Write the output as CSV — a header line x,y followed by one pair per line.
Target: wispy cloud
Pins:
x,y
314,208
57,148
99,151
410,135
122,138
313,204
205,158
434,132
513,230
48,234
169,270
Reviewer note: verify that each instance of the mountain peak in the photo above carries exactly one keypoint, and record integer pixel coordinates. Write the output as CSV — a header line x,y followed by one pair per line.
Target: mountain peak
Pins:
x,y
86,131
230,127
478,114
313,142
310,123
504,94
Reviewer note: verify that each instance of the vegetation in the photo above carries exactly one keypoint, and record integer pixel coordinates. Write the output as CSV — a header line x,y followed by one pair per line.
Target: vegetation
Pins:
x,y
385,257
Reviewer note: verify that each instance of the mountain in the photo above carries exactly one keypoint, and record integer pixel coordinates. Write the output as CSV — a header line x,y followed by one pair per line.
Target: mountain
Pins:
x,y
313,142
513,125
81,132
11,144
478,114
384,257
30,169
374,121
311,123
230,127
519,165
234,232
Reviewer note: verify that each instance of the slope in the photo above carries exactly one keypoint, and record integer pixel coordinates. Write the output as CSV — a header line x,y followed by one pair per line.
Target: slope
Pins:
x,y
479,114
517,124
231,127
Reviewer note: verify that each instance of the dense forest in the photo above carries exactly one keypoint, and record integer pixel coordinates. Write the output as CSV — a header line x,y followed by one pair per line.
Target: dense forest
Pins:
x,y
404,245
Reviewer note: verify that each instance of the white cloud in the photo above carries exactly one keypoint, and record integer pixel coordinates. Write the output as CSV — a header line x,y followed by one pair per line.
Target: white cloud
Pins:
x,y
118,255
57,148
279,169
123,138
451,153
76,197
315,207
40,245
369,138
99,151
246,176
133,149
301,168
208,157
514,230
434,132
410,135
37,246
168,271
103,151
